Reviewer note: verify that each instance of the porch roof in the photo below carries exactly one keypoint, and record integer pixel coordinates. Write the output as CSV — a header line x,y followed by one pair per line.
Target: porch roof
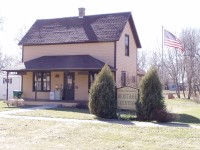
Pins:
x,y
56,63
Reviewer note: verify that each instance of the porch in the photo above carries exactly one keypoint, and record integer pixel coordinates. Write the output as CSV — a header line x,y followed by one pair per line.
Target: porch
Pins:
x,y
73,75
59,103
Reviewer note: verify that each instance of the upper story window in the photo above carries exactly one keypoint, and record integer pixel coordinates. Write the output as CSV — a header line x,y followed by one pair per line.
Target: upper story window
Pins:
x,y
126,45
41,81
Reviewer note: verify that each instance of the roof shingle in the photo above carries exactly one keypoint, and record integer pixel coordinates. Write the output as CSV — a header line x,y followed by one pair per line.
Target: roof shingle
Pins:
x,y
69,62
95,28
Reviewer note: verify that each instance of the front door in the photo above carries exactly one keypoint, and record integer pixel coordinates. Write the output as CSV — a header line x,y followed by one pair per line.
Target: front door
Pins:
x,y
69,85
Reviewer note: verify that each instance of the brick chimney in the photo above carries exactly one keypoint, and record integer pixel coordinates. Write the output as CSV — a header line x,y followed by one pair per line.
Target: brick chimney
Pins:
x,y
81,12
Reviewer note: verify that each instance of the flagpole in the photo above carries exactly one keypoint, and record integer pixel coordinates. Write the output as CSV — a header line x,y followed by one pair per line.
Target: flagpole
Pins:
x,y
162,51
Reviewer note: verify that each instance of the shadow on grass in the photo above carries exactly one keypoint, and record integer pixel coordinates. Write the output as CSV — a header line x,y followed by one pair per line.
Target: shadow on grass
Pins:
x,y
125,116
116,121
71,109
18,107
184,118
172,124
181,120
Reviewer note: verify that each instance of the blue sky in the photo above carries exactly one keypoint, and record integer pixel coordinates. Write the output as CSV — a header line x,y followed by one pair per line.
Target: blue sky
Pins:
x,y
149,16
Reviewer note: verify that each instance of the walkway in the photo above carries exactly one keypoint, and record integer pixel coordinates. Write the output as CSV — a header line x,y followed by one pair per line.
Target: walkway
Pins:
x,y
27,109
7,114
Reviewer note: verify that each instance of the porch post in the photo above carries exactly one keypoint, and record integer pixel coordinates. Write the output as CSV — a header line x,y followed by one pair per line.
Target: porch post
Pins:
x,y
35,79
7,86
35,91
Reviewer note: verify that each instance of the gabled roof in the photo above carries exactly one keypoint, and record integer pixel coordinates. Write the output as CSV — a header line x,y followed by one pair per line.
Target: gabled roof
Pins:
x,y
94,28
69,62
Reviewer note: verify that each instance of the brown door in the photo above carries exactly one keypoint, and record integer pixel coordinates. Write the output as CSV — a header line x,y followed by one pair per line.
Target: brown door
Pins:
x,y
69,85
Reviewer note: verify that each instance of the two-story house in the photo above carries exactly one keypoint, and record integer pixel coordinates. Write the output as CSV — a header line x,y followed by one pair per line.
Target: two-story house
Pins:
x,y
68,53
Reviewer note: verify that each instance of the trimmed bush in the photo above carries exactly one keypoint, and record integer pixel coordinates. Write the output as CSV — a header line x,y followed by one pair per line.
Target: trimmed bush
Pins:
x,y
161,115
150,96
102,101
82,105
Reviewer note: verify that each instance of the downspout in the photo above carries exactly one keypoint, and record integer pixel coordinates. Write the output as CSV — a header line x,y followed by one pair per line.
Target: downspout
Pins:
x,y
35,91
35,86
115,59
7,85
22,83
22,53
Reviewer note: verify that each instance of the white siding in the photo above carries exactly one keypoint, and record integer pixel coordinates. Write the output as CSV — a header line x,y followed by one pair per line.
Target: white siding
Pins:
x,y
14,85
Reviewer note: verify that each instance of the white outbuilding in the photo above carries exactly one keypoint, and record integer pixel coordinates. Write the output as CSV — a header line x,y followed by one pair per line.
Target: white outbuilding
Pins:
x,y
14,83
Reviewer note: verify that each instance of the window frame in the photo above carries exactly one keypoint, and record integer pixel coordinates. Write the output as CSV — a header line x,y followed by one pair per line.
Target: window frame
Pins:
x,y
123,78
127,45
42,81
7,81
91,78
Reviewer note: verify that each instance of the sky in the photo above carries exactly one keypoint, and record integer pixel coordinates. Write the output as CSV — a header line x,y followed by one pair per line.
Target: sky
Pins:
x,y
149,17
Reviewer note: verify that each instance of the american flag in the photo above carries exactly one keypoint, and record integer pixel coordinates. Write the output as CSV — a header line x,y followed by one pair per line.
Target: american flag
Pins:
x,y
172,41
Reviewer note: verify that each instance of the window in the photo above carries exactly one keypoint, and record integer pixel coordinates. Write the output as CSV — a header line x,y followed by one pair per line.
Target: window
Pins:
x,y
5,80
123,78
41,81
92,77
126,45
133,79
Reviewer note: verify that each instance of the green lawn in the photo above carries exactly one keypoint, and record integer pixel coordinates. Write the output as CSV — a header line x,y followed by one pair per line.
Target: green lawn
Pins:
x,y
35,134
4,107
186,111
29,134
61,112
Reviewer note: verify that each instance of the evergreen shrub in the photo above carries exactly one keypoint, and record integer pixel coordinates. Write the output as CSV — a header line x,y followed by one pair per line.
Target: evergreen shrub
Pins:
x,y
150,105
102,100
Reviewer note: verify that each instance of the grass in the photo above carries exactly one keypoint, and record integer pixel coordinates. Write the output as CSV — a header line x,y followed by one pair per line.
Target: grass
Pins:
x,y
72,113
29,134
35,134
61,112
4,107
186,111
127,115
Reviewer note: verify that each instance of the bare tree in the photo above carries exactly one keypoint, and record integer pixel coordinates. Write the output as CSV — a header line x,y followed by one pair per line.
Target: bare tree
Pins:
x,y
142,60
6,61
156,62
21,34
1,23
18,37
191,40
173,64
183,67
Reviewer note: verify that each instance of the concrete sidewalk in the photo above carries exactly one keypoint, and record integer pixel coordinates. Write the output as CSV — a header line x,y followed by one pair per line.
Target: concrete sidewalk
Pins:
x,y
8,114
26,109
72,121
